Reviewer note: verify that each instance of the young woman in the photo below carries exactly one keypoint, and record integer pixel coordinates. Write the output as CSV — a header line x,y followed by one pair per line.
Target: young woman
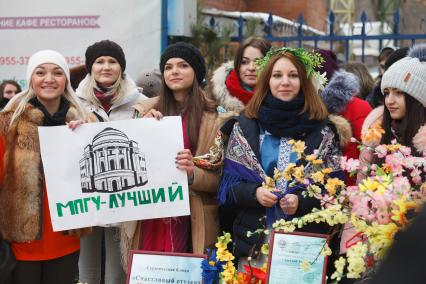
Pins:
x,y
43,256
285,106
183,69
8,89
403,116
232,84
109,94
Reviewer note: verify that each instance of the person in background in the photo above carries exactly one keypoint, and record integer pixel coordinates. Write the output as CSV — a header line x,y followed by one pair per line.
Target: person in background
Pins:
x,y
108,93
375,98
43,256
285,107
341,96
183,70
77,74
330,64
232,84
382,58
8,89
365,80
150,82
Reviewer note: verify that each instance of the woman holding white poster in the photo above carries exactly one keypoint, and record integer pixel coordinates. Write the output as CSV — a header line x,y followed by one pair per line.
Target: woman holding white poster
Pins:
x,y
183,70
109,94
43,256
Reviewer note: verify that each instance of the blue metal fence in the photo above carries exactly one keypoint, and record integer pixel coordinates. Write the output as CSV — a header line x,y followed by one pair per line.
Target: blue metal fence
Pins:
x,y
299,38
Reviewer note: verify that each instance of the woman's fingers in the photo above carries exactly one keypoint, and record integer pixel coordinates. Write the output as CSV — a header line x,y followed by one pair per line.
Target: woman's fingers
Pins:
x,y
73,124
184,161
289,204
265,197
153,114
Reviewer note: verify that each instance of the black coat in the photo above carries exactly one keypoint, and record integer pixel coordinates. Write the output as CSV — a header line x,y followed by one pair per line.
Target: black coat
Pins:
x,y
248,211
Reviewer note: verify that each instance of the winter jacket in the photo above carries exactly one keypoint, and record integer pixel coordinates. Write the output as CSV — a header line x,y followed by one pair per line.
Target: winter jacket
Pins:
x,y
249,211
203,190
121,110
219,90
340,98
21,191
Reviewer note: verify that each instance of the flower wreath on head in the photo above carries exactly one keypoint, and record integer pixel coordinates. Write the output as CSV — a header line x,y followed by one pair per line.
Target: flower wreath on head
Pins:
x,y
311,61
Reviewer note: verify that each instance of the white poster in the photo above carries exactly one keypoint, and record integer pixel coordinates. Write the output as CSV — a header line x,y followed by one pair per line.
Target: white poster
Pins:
x,y
71,26
108,172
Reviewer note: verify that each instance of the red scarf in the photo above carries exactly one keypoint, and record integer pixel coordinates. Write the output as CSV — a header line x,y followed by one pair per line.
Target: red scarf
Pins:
x,y
105,99
234,87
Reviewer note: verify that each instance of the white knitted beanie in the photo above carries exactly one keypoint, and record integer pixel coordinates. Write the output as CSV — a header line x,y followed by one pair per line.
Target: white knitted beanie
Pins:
x,y
47,56
408,75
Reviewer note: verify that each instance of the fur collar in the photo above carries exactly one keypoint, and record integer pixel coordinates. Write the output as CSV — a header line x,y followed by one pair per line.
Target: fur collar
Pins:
x,y
337,94
344,129
21,193
219,91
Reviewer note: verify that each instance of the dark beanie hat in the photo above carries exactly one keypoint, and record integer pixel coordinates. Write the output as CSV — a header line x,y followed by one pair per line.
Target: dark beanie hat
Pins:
x,y
395,56
104,48
190,54
330,63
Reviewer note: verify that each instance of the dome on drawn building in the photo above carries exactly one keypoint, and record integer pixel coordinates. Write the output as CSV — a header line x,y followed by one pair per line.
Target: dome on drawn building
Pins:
x,y
110,135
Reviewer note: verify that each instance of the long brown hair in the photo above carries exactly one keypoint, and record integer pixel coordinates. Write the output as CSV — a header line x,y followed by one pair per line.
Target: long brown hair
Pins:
x,y
313,102
257,42
195,104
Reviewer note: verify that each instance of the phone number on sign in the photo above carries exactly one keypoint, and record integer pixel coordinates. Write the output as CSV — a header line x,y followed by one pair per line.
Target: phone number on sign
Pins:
x,y
23,60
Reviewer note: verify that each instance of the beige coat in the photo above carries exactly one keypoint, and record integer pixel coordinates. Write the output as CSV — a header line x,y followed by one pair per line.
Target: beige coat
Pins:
x,y
202,193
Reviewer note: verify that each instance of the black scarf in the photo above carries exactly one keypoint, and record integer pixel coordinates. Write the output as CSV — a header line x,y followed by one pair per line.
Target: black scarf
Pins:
x,y
56,119
286,119
3,103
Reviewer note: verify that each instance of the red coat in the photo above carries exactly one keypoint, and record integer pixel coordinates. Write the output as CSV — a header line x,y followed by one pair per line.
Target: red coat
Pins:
x,y
355,112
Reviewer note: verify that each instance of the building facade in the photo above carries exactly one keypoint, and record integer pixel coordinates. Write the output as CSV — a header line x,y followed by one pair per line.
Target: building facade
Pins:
x,y
112,163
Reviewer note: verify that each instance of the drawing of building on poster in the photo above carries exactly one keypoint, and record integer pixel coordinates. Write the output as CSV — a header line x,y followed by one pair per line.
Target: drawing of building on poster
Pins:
x,y
112,163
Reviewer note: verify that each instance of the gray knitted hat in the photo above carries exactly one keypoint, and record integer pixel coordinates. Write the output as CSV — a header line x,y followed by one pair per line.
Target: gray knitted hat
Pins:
x,y
408,75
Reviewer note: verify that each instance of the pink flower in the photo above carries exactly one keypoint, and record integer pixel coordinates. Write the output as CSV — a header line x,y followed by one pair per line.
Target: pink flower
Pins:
x,y
406,151
401,185
395,163
350,165
381,151
415,176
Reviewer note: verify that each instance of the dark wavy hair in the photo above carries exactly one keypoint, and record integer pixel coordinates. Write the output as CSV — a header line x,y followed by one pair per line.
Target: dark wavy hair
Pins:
x,y
415,117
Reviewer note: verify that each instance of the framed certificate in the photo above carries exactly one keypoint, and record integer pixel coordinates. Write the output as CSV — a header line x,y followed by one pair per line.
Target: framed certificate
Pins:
x,y
288,250
157,267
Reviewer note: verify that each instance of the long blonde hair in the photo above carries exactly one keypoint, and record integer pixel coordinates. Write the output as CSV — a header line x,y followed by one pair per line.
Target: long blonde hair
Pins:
x,y
22,99
119,88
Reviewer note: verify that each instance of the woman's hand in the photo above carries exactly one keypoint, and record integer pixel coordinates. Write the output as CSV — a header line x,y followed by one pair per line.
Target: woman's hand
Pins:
x,y
74,123
265,197
153,113
184,162
289,204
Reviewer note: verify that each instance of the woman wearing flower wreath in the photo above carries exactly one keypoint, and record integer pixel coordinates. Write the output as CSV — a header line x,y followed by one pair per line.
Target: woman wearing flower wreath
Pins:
x,y
232,84
183,70
285,107
43,256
